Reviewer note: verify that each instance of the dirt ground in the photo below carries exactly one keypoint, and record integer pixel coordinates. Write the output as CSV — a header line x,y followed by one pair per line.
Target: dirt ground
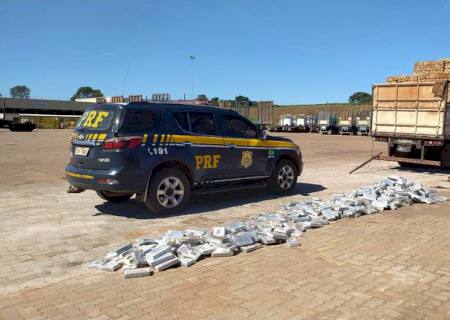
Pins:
x,y
394,265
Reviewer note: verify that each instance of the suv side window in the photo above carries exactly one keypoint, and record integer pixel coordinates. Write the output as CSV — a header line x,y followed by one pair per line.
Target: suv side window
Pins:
x,y
182,120
135,121
239,128
202,123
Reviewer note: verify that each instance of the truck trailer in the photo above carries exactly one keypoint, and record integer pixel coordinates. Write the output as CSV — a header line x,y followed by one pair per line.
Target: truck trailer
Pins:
x,y
301,122
327,122
414,120
346,123
363,122
312,122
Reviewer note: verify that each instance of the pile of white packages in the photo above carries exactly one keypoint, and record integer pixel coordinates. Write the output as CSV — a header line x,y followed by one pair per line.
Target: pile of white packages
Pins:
x,y
186,247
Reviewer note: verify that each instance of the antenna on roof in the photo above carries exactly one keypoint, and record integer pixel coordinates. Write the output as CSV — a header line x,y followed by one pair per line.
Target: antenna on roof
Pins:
x,y
125,78
192,76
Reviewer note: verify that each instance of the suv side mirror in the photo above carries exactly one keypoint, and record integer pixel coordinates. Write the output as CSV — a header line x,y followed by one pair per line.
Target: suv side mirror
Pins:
x,y
262,134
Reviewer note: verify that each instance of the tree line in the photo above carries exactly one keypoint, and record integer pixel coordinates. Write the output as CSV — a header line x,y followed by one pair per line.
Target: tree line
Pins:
x,y
356,98
23,92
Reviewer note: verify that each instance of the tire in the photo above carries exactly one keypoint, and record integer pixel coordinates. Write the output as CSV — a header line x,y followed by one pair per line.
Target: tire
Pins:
x,y
275,181
167,181
110,197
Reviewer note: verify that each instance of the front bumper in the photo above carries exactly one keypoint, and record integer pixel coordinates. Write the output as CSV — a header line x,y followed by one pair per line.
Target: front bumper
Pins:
x,y
127,182
363,129
346,129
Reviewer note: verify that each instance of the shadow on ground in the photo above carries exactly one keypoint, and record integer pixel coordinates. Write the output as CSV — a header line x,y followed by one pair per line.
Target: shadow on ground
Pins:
x,y
422,169
203,203
410,169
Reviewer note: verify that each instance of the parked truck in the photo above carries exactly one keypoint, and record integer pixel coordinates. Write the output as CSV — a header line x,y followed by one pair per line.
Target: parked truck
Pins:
x,y
285,123
301,122
346,123
288,122
414,121
363,122
312,122
327,122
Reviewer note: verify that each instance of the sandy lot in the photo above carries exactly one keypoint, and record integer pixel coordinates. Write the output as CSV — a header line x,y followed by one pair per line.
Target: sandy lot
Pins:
x,y
391,265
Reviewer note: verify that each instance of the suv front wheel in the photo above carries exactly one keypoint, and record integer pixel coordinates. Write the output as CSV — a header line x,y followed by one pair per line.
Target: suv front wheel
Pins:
x,y
284,178
169,191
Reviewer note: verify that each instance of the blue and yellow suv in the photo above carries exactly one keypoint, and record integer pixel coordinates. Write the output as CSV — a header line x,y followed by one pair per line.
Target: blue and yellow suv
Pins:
x,y
164,152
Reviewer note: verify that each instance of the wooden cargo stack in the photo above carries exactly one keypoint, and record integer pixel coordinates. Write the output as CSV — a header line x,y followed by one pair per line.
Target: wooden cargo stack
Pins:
x,y
425,71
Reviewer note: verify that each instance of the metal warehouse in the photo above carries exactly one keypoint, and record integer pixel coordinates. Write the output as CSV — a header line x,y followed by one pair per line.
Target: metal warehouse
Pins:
x,y
44,113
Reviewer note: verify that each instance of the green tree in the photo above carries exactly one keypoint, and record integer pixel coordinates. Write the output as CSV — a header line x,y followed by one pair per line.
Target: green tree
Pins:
x,y
87,92
215,101
202,97
242,98
360,98
20,92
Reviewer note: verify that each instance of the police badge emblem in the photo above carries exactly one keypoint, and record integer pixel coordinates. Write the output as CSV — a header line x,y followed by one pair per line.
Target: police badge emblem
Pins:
x,y
246,159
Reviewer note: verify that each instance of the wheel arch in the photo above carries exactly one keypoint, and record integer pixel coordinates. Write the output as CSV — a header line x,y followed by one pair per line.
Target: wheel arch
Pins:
x,y
169,164
290,158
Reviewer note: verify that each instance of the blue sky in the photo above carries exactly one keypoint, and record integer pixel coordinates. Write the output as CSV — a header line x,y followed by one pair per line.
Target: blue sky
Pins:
x,y
287,51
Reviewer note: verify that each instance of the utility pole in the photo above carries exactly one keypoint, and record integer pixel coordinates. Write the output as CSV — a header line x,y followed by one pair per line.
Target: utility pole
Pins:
x,y
192,76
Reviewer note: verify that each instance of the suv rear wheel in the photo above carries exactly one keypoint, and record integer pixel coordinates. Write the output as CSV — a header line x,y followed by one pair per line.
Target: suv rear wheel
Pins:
x,y
169,191
284,178
112,197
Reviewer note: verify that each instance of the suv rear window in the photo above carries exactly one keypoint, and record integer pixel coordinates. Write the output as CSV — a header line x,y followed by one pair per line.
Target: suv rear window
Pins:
x,y
196,122
96,119
202,123
135,121
182,120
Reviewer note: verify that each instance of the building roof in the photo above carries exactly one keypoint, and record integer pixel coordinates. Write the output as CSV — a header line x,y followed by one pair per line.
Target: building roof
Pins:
x,y
43,104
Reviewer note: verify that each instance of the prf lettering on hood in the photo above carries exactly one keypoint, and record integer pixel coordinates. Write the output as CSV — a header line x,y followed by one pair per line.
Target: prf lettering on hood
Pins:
x,y
93,118
207,161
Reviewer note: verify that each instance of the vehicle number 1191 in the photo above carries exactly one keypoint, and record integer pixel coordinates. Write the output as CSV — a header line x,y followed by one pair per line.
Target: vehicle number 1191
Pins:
x,y
157,151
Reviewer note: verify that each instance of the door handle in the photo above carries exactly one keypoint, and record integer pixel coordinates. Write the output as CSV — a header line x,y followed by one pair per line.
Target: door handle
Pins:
x,y
187,143
232,145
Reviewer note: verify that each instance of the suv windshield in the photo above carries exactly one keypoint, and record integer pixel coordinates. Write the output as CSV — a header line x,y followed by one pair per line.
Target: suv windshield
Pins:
x,y
96,119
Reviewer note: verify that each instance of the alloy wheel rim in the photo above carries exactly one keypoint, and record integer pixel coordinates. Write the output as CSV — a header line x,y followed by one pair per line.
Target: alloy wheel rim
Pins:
x,y
170,192
285,177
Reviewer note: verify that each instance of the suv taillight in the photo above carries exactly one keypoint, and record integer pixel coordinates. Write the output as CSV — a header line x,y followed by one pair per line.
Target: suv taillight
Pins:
x,y
122,143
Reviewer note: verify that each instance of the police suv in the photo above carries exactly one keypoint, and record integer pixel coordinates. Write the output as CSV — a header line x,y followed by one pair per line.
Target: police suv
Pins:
x,y
164,152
